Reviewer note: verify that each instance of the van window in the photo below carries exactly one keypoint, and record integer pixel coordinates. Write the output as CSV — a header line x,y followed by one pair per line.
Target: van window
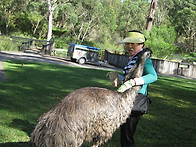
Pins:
x,y
71,48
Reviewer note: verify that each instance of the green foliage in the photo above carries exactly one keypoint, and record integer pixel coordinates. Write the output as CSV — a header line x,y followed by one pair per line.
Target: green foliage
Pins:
x,y
184,15
161,41
7,44
183,18
190,57
13,43
62,42
132,16
101,22
4,44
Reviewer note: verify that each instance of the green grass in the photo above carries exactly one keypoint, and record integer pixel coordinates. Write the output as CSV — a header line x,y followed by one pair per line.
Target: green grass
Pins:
x,y
34,88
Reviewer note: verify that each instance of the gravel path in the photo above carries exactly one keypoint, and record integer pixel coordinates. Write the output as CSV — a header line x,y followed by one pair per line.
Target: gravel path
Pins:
x,y
3,76
29,56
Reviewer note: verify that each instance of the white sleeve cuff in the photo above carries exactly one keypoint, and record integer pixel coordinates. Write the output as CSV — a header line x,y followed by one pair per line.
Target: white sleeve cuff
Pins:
x,y
139,81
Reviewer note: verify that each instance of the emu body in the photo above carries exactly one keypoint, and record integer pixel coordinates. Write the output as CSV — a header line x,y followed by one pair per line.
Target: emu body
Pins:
x,y
88,114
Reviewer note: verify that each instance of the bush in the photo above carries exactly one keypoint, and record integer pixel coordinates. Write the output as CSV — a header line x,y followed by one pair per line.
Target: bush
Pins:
x,y
161,41
190,57
8,44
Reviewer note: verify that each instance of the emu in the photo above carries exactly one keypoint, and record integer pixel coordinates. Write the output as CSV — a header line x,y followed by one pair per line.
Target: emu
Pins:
x,y
89,114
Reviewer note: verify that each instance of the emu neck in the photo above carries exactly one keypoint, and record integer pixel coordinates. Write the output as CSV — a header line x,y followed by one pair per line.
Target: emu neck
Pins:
x,y
132,92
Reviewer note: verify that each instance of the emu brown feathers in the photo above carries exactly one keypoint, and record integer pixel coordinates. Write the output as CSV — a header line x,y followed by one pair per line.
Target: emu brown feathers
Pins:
x,y
88,114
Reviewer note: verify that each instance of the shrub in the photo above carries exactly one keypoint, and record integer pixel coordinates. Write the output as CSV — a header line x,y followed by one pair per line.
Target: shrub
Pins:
x,y
161,41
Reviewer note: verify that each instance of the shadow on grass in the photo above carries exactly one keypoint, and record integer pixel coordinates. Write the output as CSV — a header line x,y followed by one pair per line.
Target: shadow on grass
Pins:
x,y
15,144
34,88
22,125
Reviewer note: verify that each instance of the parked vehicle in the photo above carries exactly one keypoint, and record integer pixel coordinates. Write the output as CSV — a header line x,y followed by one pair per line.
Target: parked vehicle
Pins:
x,y
82,53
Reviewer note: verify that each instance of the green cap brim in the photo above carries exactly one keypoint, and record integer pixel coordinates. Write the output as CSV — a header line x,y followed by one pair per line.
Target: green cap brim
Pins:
x,y
133,37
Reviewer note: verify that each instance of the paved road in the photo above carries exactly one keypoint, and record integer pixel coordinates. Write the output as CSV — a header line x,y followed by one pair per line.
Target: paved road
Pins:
x,y
35,57
29,56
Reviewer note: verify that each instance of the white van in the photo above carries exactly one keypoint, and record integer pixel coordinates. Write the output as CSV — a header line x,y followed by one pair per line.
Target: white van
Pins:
x,y
82,53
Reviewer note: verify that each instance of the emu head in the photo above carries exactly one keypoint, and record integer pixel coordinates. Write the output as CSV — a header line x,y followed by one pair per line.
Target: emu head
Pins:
x,y
137,70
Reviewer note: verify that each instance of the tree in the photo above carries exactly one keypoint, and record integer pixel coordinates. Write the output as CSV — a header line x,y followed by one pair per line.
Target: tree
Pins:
x,y
132,16
162,12
107,33
36,18
161,40
8,11
150,18
51,7
52,4
183,17
186,25
84,18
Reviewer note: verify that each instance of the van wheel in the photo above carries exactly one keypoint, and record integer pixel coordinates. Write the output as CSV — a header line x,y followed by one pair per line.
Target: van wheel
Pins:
x,y
81,61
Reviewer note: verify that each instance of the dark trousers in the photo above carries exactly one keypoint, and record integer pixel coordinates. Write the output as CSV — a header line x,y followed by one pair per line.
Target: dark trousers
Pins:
x,y
127,131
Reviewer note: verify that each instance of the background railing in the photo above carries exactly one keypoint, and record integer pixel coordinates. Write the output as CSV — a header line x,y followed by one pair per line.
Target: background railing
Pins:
x,y
161,66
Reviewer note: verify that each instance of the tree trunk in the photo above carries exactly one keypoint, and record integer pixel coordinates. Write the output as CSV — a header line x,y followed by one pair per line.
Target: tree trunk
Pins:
x,y
151,15
51,7
50,13
49,35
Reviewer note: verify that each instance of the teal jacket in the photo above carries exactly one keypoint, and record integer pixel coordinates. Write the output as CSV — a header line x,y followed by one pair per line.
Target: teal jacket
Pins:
x,y
149,76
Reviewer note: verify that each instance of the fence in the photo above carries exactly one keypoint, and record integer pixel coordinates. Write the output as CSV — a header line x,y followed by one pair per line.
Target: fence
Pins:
x,y
12,43
161,66
45,47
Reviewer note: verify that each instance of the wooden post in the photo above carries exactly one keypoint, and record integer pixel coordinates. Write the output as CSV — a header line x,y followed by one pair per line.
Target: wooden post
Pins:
x,y
151,15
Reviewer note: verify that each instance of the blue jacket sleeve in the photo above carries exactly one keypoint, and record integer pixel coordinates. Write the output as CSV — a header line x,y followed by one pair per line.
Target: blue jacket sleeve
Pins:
x,y
149,73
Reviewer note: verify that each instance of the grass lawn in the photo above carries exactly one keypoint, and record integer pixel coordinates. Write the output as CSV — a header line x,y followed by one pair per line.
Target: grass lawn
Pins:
x,y
34,88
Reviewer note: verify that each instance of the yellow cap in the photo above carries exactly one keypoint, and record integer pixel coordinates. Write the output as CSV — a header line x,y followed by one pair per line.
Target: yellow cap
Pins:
x,y
133,37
